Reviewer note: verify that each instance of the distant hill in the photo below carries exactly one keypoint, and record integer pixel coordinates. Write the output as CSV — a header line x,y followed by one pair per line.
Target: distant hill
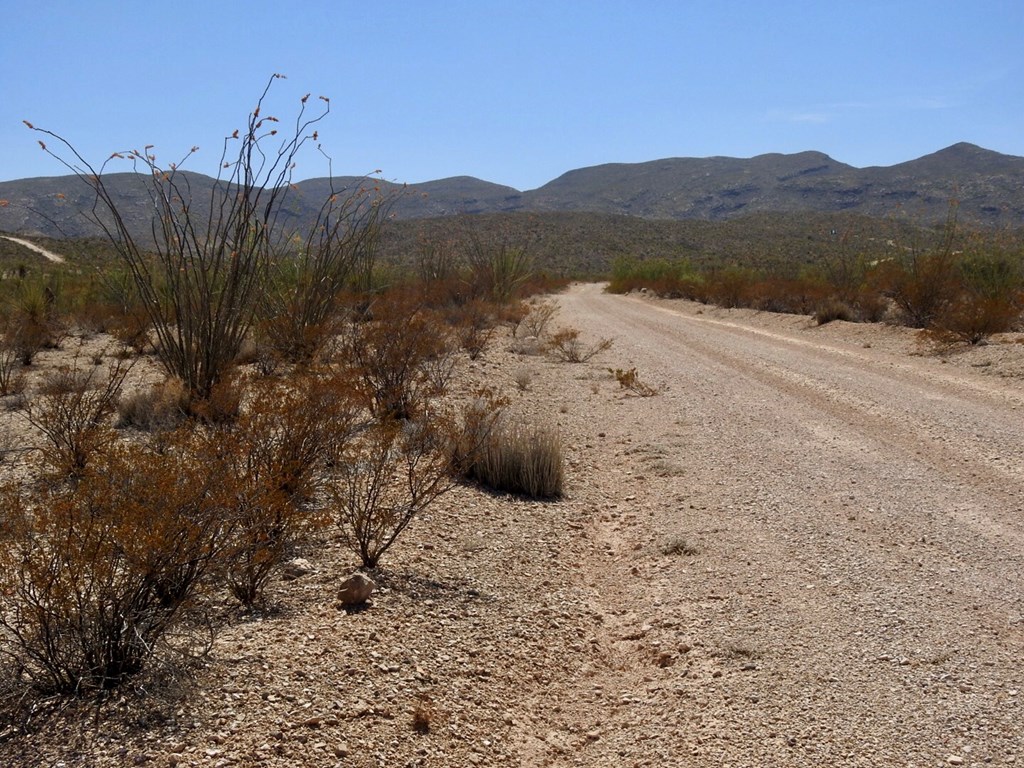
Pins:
x,y
988,185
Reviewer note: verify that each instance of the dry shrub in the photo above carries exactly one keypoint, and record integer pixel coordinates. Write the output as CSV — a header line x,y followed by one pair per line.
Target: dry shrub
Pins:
x,y
265,523
222,404
972,319
72,411
537,320
517,458
731,287
291,429
388,353
7,443
131,326
424,715
833,309
95,575
922,286
679,545
566,346
161,407
629,380
475,326
289,435
522,377
12,379
439,367
794,295
392,471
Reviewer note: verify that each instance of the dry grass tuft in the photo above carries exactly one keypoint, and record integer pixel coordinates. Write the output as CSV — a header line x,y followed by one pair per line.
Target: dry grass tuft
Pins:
x,y
521,459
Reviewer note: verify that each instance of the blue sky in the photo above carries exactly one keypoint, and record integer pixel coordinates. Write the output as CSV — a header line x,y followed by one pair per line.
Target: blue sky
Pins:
x,y
516,92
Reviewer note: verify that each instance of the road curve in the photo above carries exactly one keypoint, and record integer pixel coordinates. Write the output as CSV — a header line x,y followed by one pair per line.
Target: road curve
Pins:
x,y
49,255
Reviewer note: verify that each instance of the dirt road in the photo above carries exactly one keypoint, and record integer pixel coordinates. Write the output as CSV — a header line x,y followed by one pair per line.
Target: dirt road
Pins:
x,y
813,549
806,550
49,255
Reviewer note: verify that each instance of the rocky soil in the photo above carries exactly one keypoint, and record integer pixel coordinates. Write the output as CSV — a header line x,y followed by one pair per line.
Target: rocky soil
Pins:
x,y
806,549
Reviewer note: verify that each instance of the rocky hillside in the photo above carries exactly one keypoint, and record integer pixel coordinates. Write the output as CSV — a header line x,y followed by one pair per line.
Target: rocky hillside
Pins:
x,y
987,184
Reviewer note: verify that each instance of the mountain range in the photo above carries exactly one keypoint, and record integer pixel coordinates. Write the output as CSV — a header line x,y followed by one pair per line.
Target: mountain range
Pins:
x,y
989,187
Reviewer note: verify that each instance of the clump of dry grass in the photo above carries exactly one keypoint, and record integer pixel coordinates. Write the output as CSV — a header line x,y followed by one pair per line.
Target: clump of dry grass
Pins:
x,y
522,378
424,715
163,406
680,545
520,459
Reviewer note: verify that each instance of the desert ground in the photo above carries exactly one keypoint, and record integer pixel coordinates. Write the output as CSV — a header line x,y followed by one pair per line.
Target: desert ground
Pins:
x,y
807,549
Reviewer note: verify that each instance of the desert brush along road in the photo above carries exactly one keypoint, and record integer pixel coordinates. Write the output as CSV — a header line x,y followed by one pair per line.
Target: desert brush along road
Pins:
x,y
806,549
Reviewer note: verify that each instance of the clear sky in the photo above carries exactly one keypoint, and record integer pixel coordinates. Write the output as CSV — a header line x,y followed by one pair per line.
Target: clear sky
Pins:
x,y
515,92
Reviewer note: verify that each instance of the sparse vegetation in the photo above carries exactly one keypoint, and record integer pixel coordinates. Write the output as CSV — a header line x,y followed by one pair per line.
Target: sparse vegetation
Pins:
x,y
114,548
96,574
519,459
71,411
160,407
392,471
629,380
680,545
566,346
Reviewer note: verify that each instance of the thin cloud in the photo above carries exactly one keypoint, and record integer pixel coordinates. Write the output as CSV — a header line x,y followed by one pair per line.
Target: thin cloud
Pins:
x,y
826,113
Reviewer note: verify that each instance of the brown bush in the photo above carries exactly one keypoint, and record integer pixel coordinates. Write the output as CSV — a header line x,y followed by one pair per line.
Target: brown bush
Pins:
x,y
291,433
833,309
131,326
94,575
535,323
222,403
386,355
731,287
72,410
392,471
629,380
972,319
162,407
474,324
291,429
566,346
922,287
